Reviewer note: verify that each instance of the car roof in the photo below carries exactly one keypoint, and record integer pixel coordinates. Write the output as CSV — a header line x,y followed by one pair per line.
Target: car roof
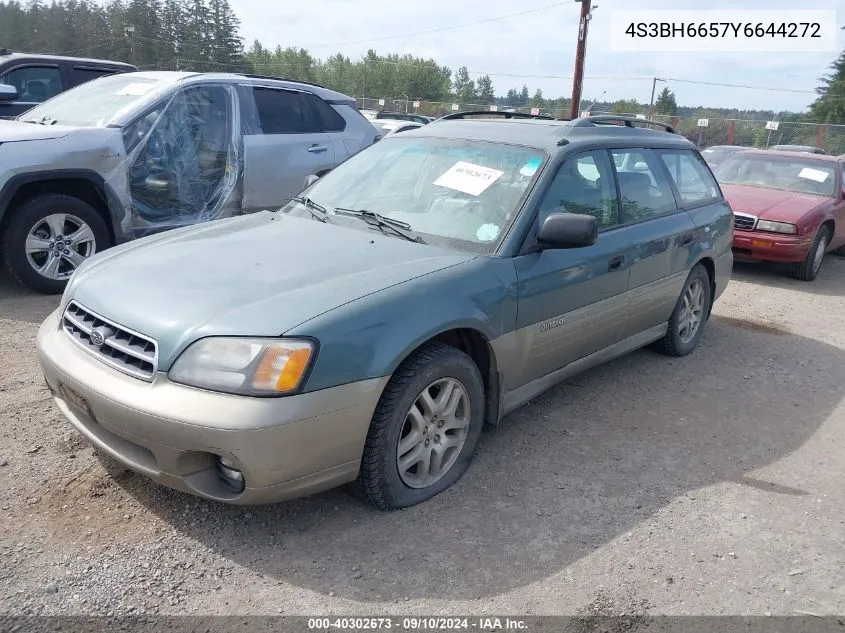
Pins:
x,y
549,134
789,154
87,60
170,77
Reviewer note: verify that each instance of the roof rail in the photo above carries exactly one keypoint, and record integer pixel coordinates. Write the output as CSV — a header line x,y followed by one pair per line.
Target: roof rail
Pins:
x,y
5,51
506,115
293,81
628,121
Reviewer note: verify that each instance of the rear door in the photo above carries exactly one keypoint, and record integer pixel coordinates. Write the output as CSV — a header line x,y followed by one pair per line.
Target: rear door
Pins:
x,y
282,149
333,125
662,234
35,82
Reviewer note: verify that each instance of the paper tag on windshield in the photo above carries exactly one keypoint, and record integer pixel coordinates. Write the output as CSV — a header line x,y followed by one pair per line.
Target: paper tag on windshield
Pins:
x,y
134,90
468,178
813,174
530,168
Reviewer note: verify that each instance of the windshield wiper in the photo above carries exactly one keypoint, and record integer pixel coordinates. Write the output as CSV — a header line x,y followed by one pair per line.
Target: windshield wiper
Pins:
x,y
45,120
382,222
317,210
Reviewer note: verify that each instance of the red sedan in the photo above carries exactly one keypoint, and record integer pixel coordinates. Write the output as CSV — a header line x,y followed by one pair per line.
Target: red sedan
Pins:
x,y
788,207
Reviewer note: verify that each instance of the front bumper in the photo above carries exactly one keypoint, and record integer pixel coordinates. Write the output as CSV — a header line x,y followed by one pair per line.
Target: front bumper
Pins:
x,y
285,447
770,247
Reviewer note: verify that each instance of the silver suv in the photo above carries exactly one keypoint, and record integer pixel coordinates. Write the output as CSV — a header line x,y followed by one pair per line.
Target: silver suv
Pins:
x,y
138,153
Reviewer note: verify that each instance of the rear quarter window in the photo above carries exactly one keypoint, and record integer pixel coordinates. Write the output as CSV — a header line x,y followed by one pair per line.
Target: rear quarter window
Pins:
x,y
691,177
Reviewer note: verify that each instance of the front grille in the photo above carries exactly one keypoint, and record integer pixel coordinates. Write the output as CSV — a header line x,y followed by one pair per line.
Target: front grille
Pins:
x,y
744,222
115,345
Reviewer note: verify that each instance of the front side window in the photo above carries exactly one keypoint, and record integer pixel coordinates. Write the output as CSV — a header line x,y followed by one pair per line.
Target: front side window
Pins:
x,y
34,83
584,184
644,190
81,75
454,193
692,179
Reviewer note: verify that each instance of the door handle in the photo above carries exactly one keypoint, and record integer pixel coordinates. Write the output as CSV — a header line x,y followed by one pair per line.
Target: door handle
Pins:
x,y
616,263
687,240
316,149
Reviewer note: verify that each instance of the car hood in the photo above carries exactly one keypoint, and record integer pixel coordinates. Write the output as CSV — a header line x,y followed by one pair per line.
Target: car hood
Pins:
x,y
11,131
255,275
770,204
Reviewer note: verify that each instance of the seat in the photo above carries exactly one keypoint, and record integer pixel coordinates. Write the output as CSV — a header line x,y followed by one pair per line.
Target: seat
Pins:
x,y
636,195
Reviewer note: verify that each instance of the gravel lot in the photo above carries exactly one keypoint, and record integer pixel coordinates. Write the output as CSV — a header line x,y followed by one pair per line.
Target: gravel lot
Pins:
x,y
705,485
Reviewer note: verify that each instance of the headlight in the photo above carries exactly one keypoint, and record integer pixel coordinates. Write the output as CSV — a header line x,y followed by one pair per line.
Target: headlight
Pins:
x,y
777,227
247,366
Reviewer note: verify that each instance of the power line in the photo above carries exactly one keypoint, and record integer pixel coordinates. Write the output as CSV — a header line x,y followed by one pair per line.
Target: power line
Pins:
x,y
444,28
711,83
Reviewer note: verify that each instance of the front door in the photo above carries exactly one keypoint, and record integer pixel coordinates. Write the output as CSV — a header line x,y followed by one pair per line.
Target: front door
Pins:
x,y
287,147
186,171
572,301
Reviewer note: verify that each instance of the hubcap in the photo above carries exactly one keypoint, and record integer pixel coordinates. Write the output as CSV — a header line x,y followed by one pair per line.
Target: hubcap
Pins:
x,y
819,254
58,244
434,433
692,311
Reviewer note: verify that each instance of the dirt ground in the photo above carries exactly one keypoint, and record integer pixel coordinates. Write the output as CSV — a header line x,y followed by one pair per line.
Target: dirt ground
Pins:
x,y
711,484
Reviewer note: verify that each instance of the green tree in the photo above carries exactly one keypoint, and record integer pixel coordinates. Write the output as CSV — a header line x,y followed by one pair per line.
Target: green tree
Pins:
x,y
830,105
464,87
666,103
486,94
626,106
537,100
524,95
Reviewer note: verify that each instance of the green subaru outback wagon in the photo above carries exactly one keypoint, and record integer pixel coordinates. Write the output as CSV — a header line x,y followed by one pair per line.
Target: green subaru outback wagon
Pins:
x,y
368,330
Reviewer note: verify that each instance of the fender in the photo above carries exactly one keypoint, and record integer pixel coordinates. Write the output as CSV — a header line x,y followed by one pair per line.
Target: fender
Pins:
x,y
106,192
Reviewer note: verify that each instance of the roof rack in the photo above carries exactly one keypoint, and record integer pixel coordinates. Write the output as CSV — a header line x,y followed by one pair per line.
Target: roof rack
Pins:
x,y
628,121
507,115
293,81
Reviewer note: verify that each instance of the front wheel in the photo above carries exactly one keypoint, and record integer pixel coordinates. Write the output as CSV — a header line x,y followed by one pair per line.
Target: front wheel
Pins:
x,y
49,237
424,430
686,324
808,269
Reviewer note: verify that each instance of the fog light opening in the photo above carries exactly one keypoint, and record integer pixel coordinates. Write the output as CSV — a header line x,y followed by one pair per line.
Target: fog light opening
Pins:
x,y
231,476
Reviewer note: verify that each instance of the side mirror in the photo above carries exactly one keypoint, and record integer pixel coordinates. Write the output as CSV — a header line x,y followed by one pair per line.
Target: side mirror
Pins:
x,y
311,180
568,230
8,93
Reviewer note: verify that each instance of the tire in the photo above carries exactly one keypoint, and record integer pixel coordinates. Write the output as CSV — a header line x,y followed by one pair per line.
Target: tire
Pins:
x,y
39,218
809,269
431,369
677,341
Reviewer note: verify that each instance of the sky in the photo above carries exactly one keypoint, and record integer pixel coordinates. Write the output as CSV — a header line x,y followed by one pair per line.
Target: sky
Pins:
x,y
538,48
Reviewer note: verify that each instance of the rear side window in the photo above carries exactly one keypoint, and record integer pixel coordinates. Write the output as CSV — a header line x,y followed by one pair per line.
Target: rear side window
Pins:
x,y
644,189
327,117
692,179
84,75
282,112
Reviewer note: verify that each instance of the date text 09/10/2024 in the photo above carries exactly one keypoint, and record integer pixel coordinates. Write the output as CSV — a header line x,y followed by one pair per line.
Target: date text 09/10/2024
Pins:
x,y
417,624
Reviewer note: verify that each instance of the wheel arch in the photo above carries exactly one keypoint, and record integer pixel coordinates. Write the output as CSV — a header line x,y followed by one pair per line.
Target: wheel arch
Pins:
x,y
475,344
83,184
710,266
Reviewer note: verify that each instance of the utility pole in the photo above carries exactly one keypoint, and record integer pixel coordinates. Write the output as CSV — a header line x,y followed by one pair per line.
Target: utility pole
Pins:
x,y
651,103
130,33
580,52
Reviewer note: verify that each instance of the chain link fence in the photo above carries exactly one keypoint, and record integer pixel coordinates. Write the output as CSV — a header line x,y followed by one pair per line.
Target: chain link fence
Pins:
x,y
702,132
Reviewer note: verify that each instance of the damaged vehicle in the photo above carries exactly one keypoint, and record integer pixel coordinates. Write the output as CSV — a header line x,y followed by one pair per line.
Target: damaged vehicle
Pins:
x,y
134,154
368,330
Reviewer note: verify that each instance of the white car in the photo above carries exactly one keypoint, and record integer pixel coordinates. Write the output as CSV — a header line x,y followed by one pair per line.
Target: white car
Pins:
x,y
388,127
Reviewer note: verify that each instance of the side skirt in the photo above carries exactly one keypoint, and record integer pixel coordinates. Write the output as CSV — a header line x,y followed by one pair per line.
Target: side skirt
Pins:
x,y
523,394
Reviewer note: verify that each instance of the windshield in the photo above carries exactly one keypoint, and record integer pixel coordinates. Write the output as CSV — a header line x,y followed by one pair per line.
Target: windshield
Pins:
x,y
801,175
93,104
454,193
